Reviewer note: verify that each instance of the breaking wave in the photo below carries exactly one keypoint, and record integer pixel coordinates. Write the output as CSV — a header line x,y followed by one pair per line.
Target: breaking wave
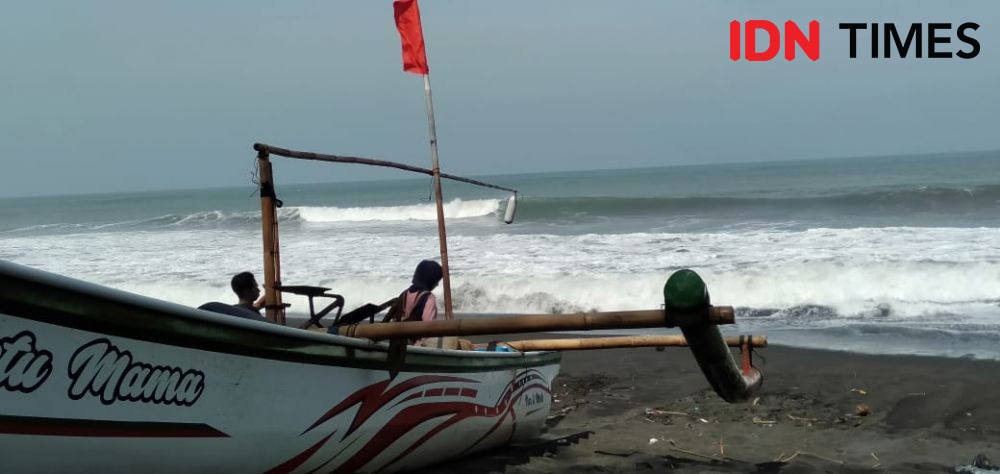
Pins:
x,y
454,209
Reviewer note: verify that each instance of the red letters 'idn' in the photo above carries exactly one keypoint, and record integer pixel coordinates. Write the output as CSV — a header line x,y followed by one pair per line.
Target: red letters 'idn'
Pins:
x,y
793,36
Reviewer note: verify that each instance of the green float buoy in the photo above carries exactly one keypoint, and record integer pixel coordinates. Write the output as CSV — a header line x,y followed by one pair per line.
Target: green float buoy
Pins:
x,y
685,291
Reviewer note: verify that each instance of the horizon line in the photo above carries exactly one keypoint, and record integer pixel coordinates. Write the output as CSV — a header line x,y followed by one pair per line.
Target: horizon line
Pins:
x,y
495,175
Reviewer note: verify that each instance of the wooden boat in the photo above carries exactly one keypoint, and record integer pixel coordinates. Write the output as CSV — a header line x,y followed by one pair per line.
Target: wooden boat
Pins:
x,y
117,382
98,380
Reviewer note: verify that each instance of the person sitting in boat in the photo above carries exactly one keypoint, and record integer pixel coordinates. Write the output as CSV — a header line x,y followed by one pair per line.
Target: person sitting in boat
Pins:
x,y
417,303
248,291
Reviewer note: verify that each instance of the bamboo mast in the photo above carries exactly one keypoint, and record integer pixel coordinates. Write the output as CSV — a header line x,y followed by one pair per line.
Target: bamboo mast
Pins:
x,y
269,231
411,35
438,199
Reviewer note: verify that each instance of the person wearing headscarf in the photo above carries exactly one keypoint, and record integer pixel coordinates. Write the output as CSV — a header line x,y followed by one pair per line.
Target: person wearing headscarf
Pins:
x,y
419,303
416,303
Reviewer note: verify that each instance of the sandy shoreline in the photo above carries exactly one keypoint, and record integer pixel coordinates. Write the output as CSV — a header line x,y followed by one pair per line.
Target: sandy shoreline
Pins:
x,y
927,414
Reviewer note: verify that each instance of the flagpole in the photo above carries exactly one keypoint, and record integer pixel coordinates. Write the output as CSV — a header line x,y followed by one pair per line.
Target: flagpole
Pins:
x,y
407,15
436,169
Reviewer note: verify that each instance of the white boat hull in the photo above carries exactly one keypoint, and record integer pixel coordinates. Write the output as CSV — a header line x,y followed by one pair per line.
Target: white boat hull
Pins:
x,y
145,395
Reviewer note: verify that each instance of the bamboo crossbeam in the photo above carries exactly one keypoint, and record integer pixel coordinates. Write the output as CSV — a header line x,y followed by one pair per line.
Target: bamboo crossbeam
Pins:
x,y
529,323
304,155
620,342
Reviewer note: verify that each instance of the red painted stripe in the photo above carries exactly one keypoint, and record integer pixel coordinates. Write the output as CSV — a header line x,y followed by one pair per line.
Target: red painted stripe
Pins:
x,y
375,396
298,460
434,392
451,391
413,396
468,392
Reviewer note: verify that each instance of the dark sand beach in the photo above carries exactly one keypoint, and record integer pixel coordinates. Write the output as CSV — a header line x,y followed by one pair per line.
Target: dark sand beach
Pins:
x,y
639,410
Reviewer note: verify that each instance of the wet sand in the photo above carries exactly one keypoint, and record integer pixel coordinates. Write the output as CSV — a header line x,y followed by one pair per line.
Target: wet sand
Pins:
x,y
639,410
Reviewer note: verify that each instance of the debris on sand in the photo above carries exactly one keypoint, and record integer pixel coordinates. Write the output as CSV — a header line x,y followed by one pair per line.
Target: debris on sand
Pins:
x,y
980,465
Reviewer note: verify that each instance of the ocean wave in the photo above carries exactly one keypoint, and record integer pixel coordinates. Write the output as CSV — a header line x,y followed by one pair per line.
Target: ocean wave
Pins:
x,y
574,294
868,279
903,206
815,278
454,209
922,199
912,269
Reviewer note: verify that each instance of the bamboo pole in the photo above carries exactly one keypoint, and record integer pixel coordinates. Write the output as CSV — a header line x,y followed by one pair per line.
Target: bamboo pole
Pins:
x,y
592,343
306,155
269,231
279,313
438,198
529,323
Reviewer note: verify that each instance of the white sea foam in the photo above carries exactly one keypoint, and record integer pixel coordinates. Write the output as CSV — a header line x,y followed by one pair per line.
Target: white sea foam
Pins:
x,y
932,278
454,209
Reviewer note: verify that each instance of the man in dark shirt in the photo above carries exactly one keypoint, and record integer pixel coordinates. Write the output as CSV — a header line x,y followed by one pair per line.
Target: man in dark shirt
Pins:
x,y
248,291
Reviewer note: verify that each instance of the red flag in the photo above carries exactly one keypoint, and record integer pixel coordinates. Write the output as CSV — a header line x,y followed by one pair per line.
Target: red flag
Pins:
x,y
412,36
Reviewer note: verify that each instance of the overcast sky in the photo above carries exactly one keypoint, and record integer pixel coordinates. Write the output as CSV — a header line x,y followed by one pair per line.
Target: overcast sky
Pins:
x,y
102,96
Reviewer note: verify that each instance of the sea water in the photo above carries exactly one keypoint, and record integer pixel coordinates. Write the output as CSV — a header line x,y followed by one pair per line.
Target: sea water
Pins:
x,y
892,254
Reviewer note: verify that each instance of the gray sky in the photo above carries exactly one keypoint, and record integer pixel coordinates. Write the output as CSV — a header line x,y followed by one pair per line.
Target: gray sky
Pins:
x,y
104,96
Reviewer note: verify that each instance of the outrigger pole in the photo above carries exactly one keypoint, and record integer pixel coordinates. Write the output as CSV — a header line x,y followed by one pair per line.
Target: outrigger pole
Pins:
x,y
540,323
307,155
622,342
686,305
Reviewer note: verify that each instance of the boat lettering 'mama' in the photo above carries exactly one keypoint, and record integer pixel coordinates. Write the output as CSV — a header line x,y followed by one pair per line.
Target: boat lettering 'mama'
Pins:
x,y
102,370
